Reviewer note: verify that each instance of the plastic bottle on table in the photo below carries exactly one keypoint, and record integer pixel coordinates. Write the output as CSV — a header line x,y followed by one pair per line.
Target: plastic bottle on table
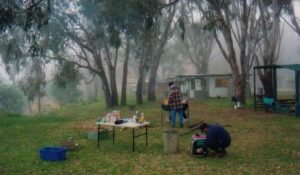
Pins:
x,y
142,118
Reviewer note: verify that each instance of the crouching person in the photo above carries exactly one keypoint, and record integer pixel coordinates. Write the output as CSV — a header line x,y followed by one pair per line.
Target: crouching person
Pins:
x,y
217,139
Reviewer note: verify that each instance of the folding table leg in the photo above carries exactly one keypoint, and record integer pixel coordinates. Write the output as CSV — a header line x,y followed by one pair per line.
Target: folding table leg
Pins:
x,y
98,135
146,135
133,138
113,135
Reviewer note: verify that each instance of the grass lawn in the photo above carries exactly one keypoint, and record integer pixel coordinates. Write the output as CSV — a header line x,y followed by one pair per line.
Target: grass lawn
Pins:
x,y
262,143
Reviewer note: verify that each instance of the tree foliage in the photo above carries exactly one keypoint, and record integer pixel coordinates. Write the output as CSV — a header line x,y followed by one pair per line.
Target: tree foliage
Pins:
x,y
67,94
24,13
34,82
67,73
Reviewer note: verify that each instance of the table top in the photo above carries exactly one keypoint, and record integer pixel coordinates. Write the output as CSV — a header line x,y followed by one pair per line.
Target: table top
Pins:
x,y
127,125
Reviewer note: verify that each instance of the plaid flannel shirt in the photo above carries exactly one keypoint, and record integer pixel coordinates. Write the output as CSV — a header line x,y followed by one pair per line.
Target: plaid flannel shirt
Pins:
x,y
175,98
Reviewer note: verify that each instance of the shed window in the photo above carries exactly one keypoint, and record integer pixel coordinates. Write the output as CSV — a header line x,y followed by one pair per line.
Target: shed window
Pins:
x,y
222,83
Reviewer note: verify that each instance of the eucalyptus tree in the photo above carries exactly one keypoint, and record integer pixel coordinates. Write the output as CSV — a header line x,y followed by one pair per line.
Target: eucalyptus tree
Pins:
x,y
269,47
65,85
27,15
93,32
163,31
34,82
125,72
20,25
197,41
238,22
12,51
18,56
85,42
24,13
223,16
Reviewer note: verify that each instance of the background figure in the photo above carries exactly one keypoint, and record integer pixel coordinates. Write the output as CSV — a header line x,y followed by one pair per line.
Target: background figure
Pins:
x,y
217,138
237,98
175,104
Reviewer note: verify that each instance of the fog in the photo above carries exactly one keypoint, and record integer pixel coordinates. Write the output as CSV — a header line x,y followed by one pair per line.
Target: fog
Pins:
x,y
289,54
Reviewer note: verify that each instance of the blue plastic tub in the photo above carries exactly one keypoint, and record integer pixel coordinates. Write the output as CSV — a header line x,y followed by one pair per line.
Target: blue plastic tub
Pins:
x,y
53,153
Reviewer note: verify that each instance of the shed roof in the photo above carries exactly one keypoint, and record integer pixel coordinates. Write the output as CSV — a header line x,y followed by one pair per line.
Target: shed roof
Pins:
x,y
203,75
295,67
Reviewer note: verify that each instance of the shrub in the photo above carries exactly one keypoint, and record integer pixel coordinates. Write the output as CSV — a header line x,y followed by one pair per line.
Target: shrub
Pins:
x,y
68,94
12,99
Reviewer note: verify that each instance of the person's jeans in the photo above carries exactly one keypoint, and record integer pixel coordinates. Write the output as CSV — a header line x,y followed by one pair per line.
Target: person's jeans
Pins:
x,y
173,117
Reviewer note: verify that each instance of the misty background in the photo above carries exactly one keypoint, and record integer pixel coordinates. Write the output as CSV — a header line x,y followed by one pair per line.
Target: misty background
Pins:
x,y
174,61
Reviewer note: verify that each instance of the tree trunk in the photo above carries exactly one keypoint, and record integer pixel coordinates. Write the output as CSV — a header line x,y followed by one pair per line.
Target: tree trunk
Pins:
x,y
151,96
125,73
139,92
271,45
113,82
112,64
231,56
29,106
141,80
158,51
243,57
106,91
146,55
95,88
104,81
267,82
243,87
39,102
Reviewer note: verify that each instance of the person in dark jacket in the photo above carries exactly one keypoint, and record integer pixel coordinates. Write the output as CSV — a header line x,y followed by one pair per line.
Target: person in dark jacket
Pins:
x,y
217,138
175,104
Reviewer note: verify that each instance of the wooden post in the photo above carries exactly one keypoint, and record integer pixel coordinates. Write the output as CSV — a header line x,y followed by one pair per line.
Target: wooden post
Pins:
x,y
171,141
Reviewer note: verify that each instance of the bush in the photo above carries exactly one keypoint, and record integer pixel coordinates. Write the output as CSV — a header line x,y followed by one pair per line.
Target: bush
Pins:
x,y
68,94
12,99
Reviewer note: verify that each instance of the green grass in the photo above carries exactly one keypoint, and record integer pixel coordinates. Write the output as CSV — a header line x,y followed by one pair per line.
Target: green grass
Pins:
x,y
262,143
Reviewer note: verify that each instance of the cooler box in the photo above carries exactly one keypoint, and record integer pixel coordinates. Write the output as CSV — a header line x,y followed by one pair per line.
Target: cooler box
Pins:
x,y
53,153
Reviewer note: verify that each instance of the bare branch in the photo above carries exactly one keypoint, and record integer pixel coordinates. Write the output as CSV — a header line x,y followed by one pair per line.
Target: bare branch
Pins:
x,y
169,4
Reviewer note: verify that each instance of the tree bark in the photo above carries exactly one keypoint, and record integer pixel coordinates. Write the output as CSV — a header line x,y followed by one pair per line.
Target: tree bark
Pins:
x,y
106,91
29,106
112,74
145,56
104,81
113,82
39,101
125,73
231,56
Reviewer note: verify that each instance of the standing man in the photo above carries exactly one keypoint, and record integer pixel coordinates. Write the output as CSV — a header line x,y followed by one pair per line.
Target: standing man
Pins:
x,y
217,138
175,104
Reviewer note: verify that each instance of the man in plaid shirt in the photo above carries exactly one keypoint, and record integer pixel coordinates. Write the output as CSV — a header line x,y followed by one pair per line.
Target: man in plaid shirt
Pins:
x,y
174,102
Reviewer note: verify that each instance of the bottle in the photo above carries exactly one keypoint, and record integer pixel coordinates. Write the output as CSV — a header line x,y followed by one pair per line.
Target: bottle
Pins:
x,y
142,118
134,119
